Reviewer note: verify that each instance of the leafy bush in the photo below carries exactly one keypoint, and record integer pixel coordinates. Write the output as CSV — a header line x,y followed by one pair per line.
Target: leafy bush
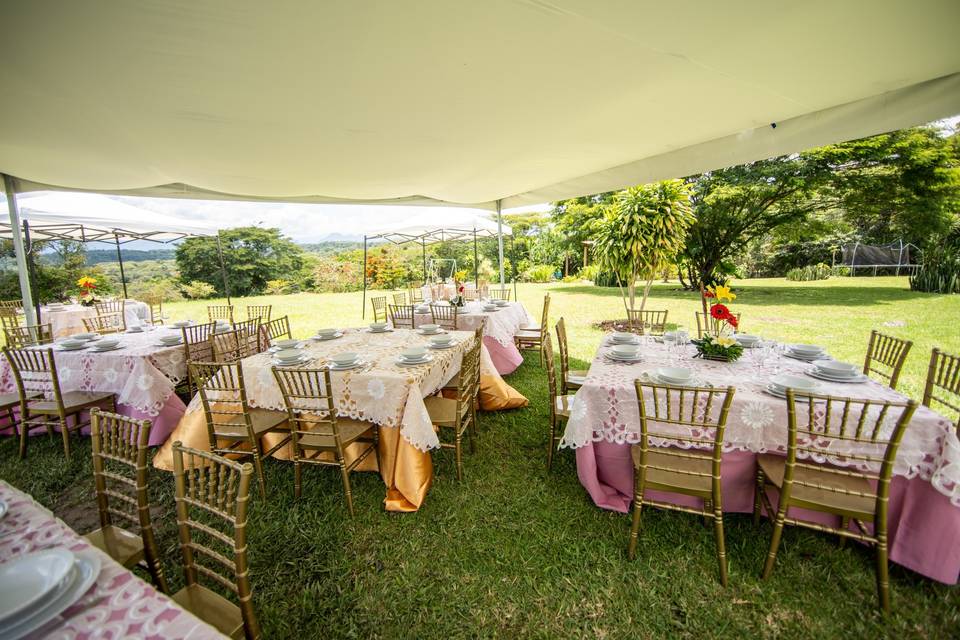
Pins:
x,y
940,271
840,272
590,272
196,290
539,273
278,287
331,276
808,273
166,290
605,279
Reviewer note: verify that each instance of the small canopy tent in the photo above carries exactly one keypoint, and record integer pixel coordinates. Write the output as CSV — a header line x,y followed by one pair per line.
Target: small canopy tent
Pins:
x,y
87,217
426,231
896,255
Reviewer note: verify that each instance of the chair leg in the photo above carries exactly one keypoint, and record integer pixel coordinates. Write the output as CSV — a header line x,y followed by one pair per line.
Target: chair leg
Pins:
x,y
844,524
23,438
345,474
156,573
297,477
775,541
458,450
65,432
553,431
757,496
637,507
883,578
721,546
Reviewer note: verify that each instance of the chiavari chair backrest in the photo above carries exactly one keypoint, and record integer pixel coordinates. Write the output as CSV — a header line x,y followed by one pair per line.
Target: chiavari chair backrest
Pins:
x,y
310,405
500,293
690,418
120,471
885,357
16,303
212,498
220,312
231,346
402,316
155,305
34,371
444,315
279,328
471,294
9,318
563,349
400,299
105,323
859,437
223,395
416,295
29,335
942,390
196,341
648,322
708,325
549,362
469,386
379,305
545,315
104,307
261,311
250,333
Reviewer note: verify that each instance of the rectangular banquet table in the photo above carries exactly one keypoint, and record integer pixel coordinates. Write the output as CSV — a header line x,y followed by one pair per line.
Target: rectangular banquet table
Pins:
x,y
499,329
924,514
69,319
142,374
118,605
381,391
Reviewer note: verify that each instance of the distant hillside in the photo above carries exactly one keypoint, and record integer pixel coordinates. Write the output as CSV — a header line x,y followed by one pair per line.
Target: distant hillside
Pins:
x,y
98,256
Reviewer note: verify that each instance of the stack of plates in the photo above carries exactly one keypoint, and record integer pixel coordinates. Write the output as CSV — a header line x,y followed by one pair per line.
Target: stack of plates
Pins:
x,y
414,356
624,353
490,308
379,327
328,334
170,340
806,352
833,371
37,587
286,343
107,344
72,344
678,376
501,303
289,357
429,329
345,361
747,341
624,337
779,384
55,306
443,341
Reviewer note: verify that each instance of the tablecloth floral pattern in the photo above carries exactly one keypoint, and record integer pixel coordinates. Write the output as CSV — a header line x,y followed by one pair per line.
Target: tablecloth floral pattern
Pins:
x,y
500,325
70,319
605,409
119,604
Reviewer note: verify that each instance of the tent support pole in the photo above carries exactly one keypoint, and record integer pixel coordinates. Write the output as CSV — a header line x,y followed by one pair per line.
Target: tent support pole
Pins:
x,y
423,246
513,263
31,268
18,249
123,277
476,263
223,267
363,271
500,240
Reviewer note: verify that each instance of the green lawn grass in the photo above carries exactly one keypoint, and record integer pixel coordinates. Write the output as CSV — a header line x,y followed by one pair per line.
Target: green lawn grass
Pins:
x,y
516,551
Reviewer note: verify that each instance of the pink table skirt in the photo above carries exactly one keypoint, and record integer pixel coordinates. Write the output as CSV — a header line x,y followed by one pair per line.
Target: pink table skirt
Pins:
x,y
923,526
505,359
163,424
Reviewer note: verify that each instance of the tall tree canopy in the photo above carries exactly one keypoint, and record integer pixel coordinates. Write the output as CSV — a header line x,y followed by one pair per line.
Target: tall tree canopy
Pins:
x,y
252,256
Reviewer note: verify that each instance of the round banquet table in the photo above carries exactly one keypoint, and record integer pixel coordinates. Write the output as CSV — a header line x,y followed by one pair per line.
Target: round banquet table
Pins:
x,y
70,319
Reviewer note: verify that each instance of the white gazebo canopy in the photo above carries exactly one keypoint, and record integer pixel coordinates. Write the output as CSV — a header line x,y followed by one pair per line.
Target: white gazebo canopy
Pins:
x,y
427,231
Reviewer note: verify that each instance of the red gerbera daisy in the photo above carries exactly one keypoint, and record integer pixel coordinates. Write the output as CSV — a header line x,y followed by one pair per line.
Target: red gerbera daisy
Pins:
x,y
719,311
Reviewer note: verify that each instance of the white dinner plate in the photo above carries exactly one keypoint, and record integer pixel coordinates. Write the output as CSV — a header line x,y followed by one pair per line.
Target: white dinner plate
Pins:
x,y
86,570
168,344
442,346
113,348
369,330
25,581
795,356
291,363
819,375
428,333
338,334
613,358
413,363
692,382
345,367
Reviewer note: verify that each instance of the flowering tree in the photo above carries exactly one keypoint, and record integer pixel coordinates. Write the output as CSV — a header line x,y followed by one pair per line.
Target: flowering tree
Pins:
x,y
643,231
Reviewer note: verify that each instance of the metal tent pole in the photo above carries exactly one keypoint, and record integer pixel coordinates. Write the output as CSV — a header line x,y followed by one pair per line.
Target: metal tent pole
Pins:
x,y
363,271
18,249
123,277
223,268
31,267
500,240
476,263
423,245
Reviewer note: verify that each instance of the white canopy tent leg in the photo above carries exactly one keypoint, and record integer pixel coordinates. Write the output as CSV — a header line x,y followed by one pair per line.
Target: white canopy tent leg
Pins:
x,y
18,249
500,240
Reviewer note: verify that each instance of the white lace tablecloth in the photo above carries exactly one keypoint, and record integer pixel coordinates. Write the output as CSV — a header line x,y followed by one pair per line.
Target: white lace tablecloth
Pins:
x,y
605,408
118,605
501,325
70,319
142,374
380,391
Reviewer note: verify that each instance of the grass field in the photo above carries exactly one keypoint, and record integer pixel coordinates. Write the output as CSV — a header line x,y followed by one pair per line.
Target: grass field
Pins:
x,y
514,551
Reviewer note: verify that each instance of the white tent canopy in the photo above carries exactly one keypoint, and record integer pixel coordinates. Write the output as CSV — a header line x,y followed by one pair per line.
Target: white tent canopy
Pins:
x,y
88,217
427,231
451,101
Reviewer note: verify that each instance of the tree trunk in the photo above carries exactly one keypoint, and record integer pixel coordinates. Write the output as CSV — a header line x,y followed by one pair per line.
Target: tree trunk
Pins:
x,y
646,294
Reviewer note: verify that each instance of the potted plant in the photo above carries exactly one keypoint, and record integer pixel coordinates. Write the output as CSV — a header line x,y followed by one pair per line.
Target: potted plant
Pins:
x,y
720,345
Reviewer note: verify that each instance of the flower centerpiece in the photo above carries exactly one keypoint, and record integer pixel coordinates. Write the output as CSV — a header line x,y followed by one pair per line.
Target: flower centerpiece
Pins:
x,y
88,287
719,345
458,300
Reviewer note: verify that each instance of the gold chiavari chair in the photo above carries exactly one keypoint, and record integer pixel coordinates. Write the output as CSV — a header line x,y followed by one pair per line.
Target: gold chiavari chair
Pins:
x,y
885,357
454,382
402,316
942,390
261,311
121,479
220,312
444,315
233,426
694,418
16,303
103,307
29,335
416,295
316,430
400,299
35,373
231,346
569,380
155,305
279,328
818,427
460,414
106,323
10,318
707,324
379,305
648,322
560,404
499,293
471,294
197,347
219,489
535,337
251,334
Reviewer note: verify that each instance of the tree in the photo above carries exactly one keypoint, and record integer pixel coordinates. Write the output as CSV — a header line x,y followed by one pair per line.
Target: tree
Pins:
x,y
643,231
252,257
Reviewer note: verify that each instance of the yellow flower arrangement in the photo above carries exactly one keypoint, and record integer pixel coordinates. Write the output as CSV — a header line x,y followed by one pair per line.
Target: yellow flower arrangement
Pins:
x,y
87,282
722,292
